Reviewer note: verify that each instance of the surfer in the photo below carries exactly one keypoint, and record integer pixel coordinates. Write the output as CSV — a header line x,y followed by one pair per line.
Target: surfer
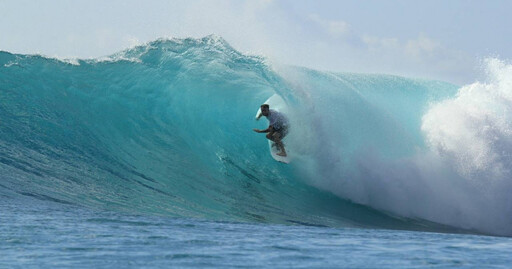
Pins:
x,y
277,129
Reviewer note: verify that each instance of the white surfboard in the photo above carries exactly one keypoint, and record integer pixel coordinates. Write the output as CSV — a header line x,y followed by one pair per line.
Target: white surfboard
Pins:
x,y
276,103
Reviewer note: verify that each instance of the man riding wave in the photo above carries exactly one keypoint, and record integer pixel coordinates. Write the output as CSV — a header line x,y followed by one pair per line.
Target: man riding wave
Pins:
x,y
277,129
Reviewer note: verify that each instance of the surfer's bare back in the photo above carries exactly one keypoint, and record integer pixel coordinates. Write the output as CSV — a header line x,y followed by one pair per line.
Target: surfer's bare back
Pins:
x,y
277,129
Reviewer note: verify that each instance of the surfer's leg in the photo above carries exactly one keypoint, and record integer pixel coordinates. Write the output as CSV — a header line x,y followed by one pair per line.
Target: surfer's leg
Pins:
x,y
271,136
279,143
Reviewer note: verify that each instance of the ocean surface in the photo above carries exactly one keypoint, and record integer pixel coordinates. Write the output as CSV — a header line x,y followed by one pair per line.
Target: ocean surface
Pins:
x,y
147,158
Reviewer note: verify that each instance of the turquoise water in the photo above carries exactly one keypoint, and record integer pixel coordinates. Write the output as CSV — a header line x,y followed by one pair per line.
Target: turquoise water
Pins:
x,y
147,157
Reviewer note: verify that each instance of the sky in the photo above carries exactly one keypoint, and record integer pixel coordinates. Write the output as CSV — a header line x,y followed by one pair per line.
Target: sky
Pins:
x,y
444,40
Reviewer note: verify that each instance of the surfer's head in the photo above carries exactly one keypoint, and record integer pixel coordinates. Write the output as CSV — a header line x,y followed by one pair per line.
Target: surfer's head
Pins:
x,y
265,109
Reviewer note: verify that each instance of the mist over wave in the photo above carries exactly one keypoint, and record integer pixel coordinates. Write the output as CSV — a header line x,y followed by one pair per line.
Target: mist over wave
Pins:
x,y
166,128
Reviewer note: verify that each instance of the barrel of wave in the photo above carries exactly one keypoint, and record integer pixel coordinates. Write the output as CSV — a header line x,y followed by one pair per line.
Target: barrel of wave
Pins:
x,y
296,141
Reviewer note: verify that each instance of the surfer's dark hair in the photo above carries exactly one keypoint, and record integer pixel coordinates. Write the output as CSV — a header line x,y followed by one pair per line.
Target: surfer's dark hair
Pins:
x,y
265,106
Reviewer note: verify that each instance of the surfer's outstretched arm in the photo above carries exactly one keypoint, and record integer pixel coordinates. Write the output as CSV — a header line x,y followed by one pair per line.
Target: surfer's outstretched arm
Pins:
x,y
263,131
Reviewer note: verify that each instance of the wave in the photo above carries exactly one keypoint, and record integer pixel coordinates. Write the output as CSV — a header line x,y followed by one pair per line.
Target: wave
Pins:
x,y
166,128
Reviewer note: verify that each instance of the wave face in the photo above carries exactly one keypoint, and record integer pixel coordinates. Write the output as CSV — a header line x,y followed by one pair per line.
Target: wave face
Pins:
x,y
166,128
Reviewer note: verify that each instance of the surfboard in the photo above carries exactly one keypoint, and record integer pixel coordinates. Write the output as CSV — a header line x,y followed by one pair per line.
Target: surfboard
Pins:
x,y
276,103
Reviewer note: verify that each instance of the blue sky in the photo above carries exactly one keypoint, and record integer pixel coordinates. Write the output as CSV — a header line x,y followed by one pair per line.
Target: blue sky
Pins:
x,y
444,40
